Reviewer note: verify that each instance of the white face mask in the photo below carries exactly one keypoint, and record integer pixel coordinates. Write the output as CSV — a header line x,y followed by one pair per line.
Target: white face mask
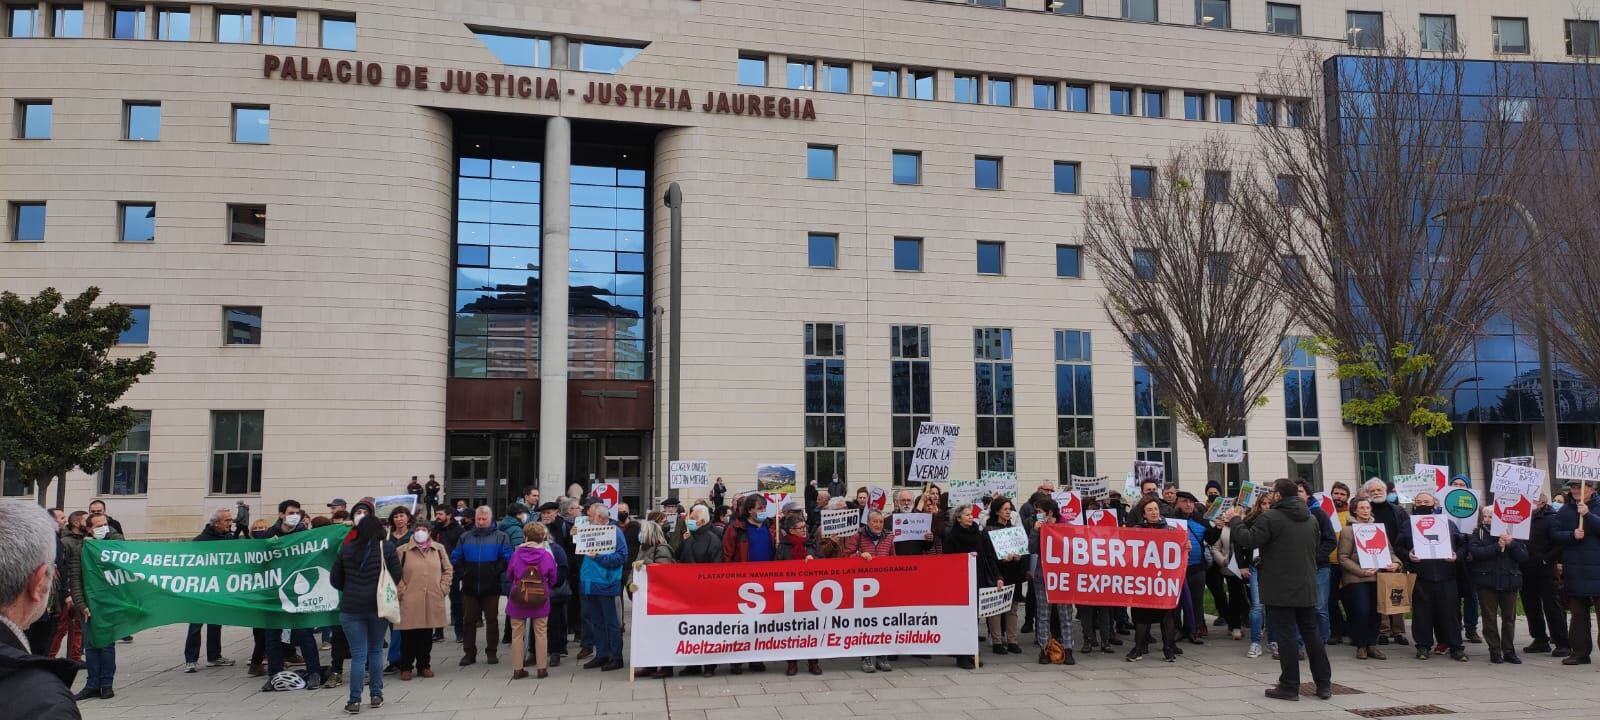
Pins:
x,y
292,519
357,517
421,536
101,532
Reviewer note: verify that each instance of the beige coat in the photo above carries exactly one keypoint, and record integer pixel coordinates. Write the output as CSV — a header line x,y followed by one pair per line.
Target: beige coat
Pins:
x,y
1350,563
424,585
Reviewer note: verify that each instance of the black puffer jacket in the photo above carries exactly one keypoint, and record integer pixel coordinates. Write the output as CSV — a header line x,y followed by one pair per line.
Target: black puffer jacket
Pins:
x,y
958,539
1495,568
704,546
1287,540
355,574
35,687
1433,570
1542,551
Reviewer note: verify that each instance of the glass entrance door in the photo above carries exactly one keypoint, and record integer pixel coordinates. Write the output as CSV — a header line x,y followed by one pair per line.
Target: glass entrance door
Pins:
x,y
468,478
624,470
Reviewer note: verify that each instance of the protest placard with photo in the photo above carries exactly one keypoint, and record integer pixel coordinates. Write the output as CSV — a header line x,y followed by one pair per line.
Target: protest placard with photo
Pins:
x,y
385,506
1009,542
1248,491
1431,537
775,478
689,474
912,525
1372,545
936,446
1150,470
1218,508
840,522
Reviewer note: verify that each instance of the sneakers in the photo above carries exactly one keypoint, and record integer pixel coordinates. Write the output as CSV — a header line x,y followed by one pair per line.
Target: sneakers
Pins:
x,y
883,665
326,645
1254,651
1458,655
334,680
189,668
377,702
1237,634
867,666
352,708
1422,653
1273,647
220,662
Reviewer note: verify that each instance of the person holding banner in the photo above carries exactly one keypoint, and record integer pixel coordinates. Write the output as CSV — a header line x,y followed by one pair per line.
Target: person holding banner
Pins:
x,y
1051,622
355,574
601,585
1013,571
101,662
964,537
1435,609
1577,531
1497,575
219,527
873,540
1149,513
1360,585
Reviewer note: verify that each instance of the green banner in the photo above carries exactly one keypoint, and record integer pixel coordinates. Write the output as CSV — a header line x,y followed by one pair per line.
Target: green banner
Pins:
x,y
281,583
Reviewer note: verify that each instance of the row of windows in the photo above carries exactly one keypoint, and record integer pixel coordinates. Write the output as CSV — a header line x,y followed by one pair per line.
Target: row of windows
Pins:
x,y
822,251
233,25
525,50
136,222
241,325
34,119
236,450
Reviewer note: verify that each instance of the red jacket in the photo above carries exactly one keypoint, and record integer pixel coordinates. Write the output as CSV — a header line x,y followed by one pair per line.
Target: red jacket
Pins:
x,y
736,540
859,543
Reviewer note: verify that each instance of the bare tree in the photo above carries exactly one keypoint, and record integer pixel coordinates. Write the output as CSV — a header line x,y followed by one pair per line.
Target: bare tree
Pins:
x,y
1185,289
1399,261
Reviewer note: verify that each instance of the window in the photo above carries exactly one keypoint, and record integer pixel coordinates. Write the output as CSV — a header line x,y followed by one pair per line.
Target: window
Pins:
x,y
127,472
139,332
1292,269
1153,427
752,71
966,88
234,26
1266,111
518,50
825,406
338,33
27,222
801,74
1002,91
1216,185
1283,19
886,82
1227,111
822,162
908,254
1294,113
1121,101
1364,30
822,250
1146,264
1074,405
241,326
1288,190
1300,389
172,24
991,258
1510,35
1155,103
138,222
1219,268
1066,177
921,84
1076,98
1061,7
1044,94
592,56
251,124
1213,13
22,21
496,331
236,452
68,21
910,392
278,28
34,119
247,224
907,167
994,391
1141,182
141,121
1069,261
1583,38
1142,10
986,173
1194,106
128,23
835,77
1439,33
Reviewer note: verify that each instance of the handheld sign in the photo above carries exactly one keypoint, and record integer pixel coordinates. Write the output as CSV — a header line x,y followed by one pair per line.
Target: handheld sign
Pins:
x,y
1517,480
1462,505
1009,542
608,493
1070,505
912,526
775,477
1000,483
936,446
1578,464
385,506
993,601
1408,486
1324,502
1430,537
686,474
1218,508
1150,470
594,539
1512,512
965,492
840,522
1523,460
1372,545
1439,474
1228,450
1099,518
1092,488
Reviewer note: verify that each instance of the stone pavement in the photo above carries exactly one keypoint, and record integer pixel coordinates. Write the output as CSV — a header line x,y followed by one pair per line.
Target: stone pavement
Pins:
x,y
1214,680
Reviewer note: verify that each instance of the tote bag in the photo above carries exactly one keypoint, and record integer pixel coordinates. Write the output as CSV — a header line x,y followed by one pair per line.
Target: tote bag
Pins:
x,y
1394,592
388,594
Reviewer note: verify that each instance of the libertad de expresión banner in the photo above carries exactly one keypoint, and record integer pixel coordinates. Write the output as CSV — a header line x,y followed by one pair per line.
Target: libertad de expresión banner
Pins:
x,y
742,612
1113,566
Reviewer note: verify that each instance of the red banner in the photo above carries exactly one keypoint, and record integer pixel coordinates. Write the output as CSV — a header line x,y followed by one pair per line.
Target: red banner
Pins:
x,y
1113,566
850,583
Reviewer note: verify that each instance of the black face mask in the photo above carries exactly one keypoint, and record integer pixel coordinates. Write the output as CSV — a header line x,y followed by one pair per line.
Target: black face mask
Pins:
x,y
1430,510
622,517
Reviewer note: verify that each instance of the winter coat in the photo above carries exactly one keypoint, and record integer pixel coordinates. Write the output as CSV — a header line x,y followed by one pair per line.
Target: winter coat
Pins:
x,y
539,557
355,575
655,554
1580,559
786,549
1542,550
1197,543
1350,561
602,574
424,584
35,687
1286,539
737,538
1494,568
1435,570
1397,523
512,527
1327,540
960,540
75,546
209,533
703,546
480,560
860,543
1014,572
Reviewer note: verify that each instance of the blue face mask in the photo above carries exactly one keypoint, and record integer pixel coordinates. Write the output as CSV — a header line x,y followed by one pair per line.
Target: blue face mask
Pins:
x,y
1557,505
693,525
1394,498
762,515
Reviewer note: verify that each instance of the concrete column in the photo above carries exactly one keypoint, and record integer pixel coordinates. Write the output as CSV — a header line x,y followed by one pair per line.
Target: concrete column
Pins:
x,y
556,179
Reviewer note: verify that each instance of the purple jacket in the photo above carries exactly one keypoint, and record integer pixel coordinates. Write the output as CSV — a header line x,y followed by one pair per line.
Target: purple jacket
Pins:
x,y
525,556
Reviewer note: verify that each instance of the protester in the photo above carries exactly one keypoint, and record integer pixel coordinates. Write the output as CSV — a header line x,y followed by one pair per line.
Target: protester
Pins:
x,y
1192,601
654,550
291,519
702,543
1216,579
719,493
70,628
98,507
425,576
431,495
1052,622
1386,510
355,574
558,539
1361,584
260,529
517,515
531,572
1148,510
399,521
1541,594
1246,558
601,585
1326,546
1289,541
1577,531
874,540
1013,570
480,557
1338,626
965,536
101,661
34,687
38,633
1435,609
219,527
414,487
750,538
1497,576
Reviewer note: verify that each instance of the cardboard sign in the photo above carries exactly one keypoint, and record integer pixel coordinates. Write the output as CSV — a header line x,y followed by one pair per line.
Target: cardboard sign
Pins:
x,y
1009,542
1000,483
1430,537
1092,488
1440,474
994,601
688,474
936,446
1523,460
1324,502
912,526
594,539
966,492
1408,486
1070,505
1228,450
1150,470
1112,566
1099,518
840,522
1372,545
1578,464
1514,513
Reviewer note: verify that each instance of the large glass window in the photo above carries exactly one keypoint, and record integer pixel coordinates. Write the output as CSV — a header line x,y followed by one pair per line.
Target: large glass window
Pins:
x,y
886,81
128,23
991,258
1216,185
592,56
1227,108
1066,177
22,21
822,162
1074,405
518,50
68,21
920,83
338,32
994,391
986,173
128,471
1044,94
907,168
142,121
1364,29
1121,101
910,391
1213,13
138,221
607,270
34,118
1153,427
496,331
752,70
236,441
908,254
1372,451
800,74
172,23
1141,182
1075,98
1266,111
1583,38
1155,103
27,222
1511,35
235,26
241,326
825,408
139,332
822,250
1142,10
1283,19
1300,389
1194,106
251,124
966,88
1002,91
1438,33
278,28
835,77
1069,261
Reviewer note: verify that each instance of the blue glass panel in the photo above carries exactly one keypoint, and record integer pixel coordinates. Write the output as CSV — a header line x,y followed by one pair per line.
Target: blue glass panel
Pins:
x,y
338,34
907,254
591,239
139,332
630,241
591,175
630,178
630,219
474,167
138,223
1495,347
588,217
515,170
472,255
518,235
984,388
628,284
1064,391
514,213
752,71
594,262
509,279
473,210
144,122
594,196
630,328
513,257
630,262
604,283
907,168
1084,376
472,279
1003,386
521,191
632,198
1068,261
474,189
823,251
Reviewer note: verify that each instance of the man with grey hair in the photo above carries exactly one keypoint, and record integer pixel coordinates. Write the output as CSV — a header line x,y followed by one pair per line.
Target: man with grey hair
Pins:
x,y
219,526
33,686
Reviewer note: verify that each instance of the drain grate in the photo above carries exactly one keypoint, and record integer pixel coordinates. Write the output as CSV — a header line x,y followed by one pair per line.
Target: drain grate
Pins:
x,y
1403,711
1310,689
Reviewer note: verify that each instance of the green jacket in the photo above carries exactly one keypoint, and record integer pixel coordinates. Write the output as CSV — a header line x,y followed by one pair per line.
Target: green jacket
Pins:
x,y
1285,539
74,545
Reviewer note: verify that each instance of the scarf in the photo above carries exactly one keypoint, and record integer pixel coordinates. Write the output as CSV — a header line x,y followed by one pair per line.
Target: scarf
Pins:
x,y
797,546
867,533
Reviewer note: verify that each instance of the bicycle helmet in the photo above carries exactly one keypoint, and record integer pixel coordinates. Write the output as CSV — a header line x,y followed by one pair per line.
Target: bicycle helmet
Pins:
x,y
288,680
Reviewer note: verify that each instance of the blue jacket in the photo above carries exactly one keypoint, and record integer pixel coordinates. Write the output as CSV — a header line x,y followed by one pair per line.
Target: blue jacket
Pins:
x,y
1197,545
480,560
512,527
1580,558
602,574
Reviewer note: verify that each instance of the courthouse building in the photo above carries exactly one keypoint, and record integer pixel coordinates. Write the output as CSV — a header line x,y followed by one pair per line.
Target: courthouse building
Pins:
x,y
346,227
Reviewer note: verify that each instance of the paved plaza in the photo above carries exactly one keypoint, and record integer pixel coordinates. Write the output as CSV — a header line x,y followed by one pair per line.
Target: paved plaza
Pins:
x,y
1213,680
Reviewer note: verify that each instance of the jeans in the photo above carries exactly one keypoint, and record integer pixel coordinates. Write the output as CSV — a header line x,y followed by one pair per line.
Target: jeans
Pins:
x,y
1499,606
1194,600
1324,579
1541,600
1361,599
1256,609
102,662
395,641
600,611
191,644
303,640
1287,622
365,634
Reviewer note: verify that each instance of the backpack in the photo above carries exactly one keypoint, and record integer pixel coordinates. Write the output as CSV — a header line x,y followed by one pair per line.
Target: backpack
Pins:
x,y
1055,652
529,590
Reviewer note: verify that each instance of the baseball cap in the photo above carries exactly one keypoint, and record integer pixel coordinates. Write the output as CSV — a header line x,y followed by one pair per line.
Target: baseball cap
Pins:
x,y
337,503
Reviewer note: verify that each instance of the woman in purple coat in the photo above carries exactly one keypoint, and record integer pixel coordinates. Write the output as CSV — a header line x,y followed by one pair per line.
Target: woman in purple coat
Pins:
x,y
535,553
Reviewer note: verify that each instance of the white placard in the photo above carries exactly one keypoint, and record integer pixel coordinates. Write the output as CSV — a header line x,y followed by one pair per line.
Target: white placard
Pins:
x,y
1227,450
1407,486
840,522
912,526
689,474
999,483
1439,474
594,539
936,446
1070,505
966,492
1577,464
994,601
1008,542
1101,518
1372,545
1512,512
1523,460
1520,480
1430,537
1092,488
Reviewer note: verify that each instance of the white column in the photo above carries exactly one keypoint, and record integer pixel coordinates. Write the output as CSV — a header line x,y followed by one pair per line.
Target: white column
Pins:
x,y
556,178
